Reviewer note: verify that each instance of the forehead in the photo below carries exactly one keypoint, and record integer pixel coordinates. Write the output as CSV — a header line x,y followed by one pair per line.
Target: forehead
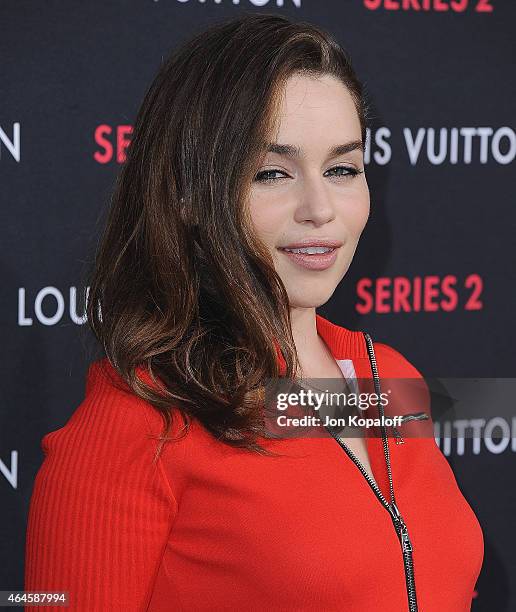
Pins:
x,y
319,108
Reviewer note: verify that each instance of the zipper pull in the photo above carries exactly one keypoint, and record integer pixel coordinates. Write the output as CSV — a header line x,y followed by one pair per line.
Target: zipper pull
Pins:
x,y
395,513
397,436
406,544
416,416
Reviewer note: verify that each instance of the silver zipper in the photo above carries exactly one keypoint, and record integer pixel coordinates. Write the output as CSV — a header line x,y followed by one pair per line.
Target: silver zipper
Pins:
x,y
414,416
399,524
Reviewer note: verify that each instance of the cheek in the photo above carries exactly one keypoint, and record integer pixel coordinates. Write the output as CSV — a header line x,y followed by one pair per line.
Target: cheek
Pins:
x,y
354,213
267,217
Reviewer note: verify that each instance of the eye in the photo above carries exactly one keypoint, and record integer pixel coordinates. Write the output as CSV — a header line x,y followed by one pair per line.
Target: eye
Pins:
x,y
348,171
264,175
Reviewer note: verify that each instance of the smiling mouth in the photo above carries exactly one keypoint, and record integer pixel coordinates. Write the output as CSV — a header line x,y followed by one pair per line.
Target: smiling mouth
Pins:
x,y
311,257
313,250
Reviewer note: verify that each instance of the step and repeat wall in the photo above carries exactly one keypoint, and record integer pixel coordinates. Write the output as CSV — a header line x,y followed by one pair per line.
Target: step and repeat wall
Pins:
x,y
434,274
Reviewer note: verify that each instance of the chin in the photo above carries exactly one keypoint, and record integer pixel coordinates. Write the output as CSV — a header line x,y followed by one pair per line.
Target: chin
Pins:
x,y
310,298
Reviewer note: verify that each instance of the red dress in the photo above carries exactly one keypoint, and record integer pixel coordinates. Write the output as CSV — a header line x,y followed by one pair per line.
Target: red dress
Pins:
x,y
209,527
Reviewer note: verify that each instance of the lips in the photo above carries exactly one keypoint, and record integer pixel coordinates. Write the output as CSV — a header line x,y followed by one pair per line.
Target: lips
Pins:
x,y
313,242
312,254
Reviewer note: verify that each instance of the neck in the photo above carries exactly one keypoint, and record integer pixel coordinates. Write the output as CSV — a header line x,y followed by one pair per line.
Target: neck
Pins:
x,y
304,330
310,347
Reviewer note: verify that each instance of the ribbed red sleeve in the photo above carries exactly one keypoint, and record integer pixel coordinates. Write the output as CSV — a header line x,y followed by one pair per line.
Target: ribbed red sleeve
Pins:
x,y
101,510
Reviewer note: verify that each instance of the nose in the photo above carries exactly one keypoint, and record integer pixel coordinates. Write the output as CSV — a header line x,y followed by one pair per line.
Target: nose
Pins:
x,y
315,203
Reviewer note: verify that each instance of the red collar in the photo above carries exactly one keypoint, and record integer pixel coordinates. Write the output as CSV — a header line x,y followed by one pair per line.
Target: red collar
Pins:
x,y
342,342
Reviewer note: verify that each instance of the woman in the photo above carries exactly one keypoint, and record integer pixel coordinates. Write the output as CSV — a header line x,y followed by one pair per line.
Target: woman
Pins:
x,y
235,216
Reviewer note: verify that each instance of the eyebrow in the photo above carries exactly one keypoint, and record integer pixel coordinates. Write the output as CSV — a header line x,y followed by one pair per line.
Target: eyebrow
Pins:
x,y
296,152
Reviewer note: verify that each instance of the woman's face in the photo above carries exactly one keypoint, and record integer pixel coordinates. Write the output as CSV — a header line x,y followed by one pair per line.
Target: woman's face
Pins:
x,y
318,196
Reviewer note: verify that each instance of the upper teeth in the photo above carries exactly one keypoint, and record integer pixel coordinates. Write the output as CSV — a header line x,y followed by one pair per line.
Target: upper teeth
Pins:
x,y
310,250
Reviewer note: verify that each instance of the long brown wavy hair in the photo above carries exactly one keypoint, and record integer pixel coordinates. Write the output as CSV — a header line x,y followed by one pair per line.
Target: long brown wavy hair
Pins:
x,y
180,284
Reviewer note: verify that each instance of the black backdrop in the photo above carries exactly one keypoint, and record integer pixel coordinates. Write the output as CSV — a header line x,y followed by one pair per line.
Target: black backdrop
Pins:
x,y
440,75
